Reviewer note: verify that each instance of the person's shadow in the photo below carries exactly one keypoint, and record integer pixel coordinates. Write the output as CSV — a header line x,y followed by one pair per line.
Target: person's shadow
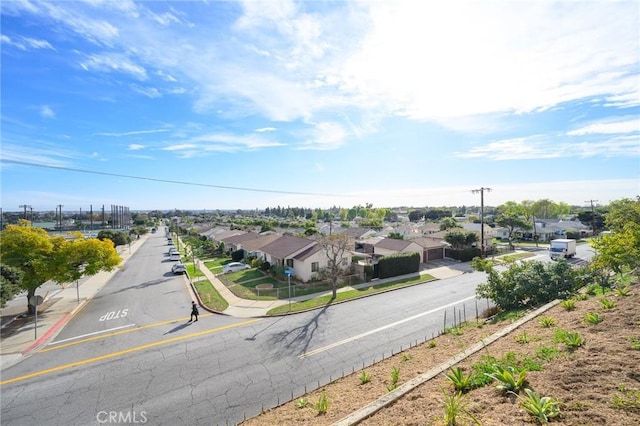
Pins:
x,y
178,327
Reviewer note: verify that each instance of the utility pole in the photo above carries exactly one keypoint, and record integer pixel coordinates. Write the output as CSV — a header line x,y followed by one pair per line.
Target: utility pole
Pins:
x,y
60,206
593,216
25,206
481,191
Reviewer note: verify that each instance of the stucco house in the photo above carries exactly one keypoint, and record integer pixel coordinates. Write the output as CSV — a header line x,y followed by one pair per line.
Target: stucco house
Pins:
x,y
305,256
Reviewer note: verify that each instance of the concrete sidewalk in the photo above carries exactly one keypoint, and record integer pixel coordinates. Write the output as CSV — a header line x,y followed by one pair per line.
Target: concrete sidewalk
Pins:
x,y
245,308
19,337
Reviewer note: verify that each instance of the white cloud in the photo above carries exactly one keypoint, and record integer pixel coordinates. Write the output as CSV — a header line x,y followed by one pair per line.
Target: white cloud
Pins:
x,y
610,127
132,133
25,43
547,146
113,62
150,92
47,112
135,147
325,136
266,129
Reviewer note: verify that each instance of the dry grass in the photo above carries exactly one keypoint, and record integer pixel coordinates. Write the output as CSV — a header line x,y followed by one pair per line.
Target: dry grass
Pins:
x,y
591,382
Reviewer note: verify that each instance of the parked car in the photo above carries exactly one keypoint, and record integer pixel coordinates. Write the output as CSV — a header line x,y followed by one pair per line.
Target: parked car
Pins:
x,y
234,267
179,268
174,256
172,249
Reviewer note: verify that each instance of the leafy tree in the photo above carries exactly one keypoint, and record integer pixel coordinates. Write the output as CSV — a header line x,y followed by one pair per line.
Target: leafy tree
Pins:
x,y
335,246
41,258
512,221
396,236
620,250
9,283
461,239
416,215
118,238
592,219
526,284
448,223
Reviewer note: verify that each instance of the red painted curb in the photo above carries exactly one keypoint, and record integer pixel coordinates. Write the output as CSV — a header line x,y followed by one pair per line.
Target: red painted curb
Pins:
x,y
48,334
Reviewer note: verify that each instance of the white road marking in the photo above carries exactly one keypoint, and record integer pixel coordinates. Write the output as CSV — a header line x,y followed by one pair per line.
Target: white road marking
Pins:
x,y
370,332
91,334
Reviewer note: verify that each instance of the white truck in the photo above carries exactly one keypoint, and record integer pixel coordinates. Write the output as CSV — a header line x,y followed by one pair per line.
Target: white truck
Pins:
x,y
562,248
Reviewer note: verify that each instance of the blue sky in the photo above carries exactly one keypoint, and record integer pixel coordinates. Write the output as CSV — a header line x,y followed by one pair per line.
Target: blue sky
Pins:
x,y
226,105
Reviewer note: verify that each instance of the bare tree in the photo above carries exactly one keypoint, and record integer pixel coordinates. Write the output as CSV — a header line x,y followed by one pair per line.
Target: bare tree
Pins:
x,y
335,246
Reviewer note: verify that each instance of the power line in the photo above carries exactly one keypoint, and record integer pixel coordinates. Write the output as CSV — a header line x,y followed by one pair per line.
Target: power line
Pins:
x,y
177,182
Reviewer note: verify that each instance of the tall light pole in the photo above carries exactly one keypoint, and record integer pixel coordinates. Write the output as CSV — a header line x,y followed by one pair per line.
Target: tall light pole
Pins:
x,y
25,206
481,191
593,217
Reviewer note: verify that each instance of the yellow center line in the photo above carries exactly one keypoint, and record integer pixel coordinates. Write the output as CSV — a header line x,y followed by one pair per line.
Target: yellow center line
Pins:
x,y
53,346
123,352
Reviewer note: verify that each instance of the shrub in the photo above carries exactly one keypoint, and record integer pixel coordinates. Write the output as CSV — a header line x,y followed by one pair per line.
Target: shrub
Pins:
x,y
461,382
510,378
593,318
542,408
547,322
569,304
607,303
455,409
364,377
322,405
302,402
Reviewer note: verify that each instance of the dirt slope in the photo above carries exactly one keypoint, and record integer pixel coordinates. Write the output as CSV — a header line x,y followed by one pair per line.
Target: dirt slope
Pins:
x,y
596,384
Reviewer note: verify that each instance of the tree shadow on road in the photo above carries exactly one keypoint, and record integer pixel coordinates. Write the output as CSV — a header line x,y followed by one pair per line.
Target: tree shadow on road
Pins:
x,y
297,340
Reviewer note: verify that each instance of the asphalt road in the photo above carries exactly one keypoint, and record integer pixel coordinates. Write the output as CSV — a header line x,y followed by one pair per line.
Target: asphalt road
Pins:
x,y
151,366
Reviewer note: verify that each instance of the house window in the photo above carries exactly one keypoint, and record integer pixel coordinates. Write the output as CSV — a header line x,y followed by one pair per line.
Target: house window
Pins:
x,y
289,263
315,267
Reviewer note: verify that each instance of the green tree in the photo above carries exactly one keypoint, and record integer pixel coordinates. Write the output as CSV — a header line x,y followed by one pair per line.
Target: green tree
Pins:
x,y
461,239
620,250
512,222
41,258
79,257
396,236
526,284
9,283
448,223
118,238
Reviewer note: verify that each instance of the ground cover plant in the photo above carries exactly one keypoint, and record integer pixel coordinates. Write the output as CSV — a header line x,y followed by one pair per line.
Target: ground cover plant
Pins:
x,y
596,382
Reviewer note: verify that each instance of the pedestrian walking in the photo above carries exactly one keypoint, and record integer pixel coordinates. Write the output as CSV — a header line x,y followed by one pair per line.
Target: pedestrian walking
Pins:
x,y
194,311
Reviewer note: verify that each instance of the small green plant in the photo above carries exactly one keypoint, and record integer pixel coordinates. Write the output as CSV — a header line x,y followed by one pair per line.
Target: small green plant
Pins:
x,y
573,340
432,344
547,322
364,377
542,408
455,409
607,303
593,290
635,343
461,382
523,338
395,376
323,404
302,402
626,399
406,357
583,296
454,331
510,378
547,354
593,318
623,291
569,304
